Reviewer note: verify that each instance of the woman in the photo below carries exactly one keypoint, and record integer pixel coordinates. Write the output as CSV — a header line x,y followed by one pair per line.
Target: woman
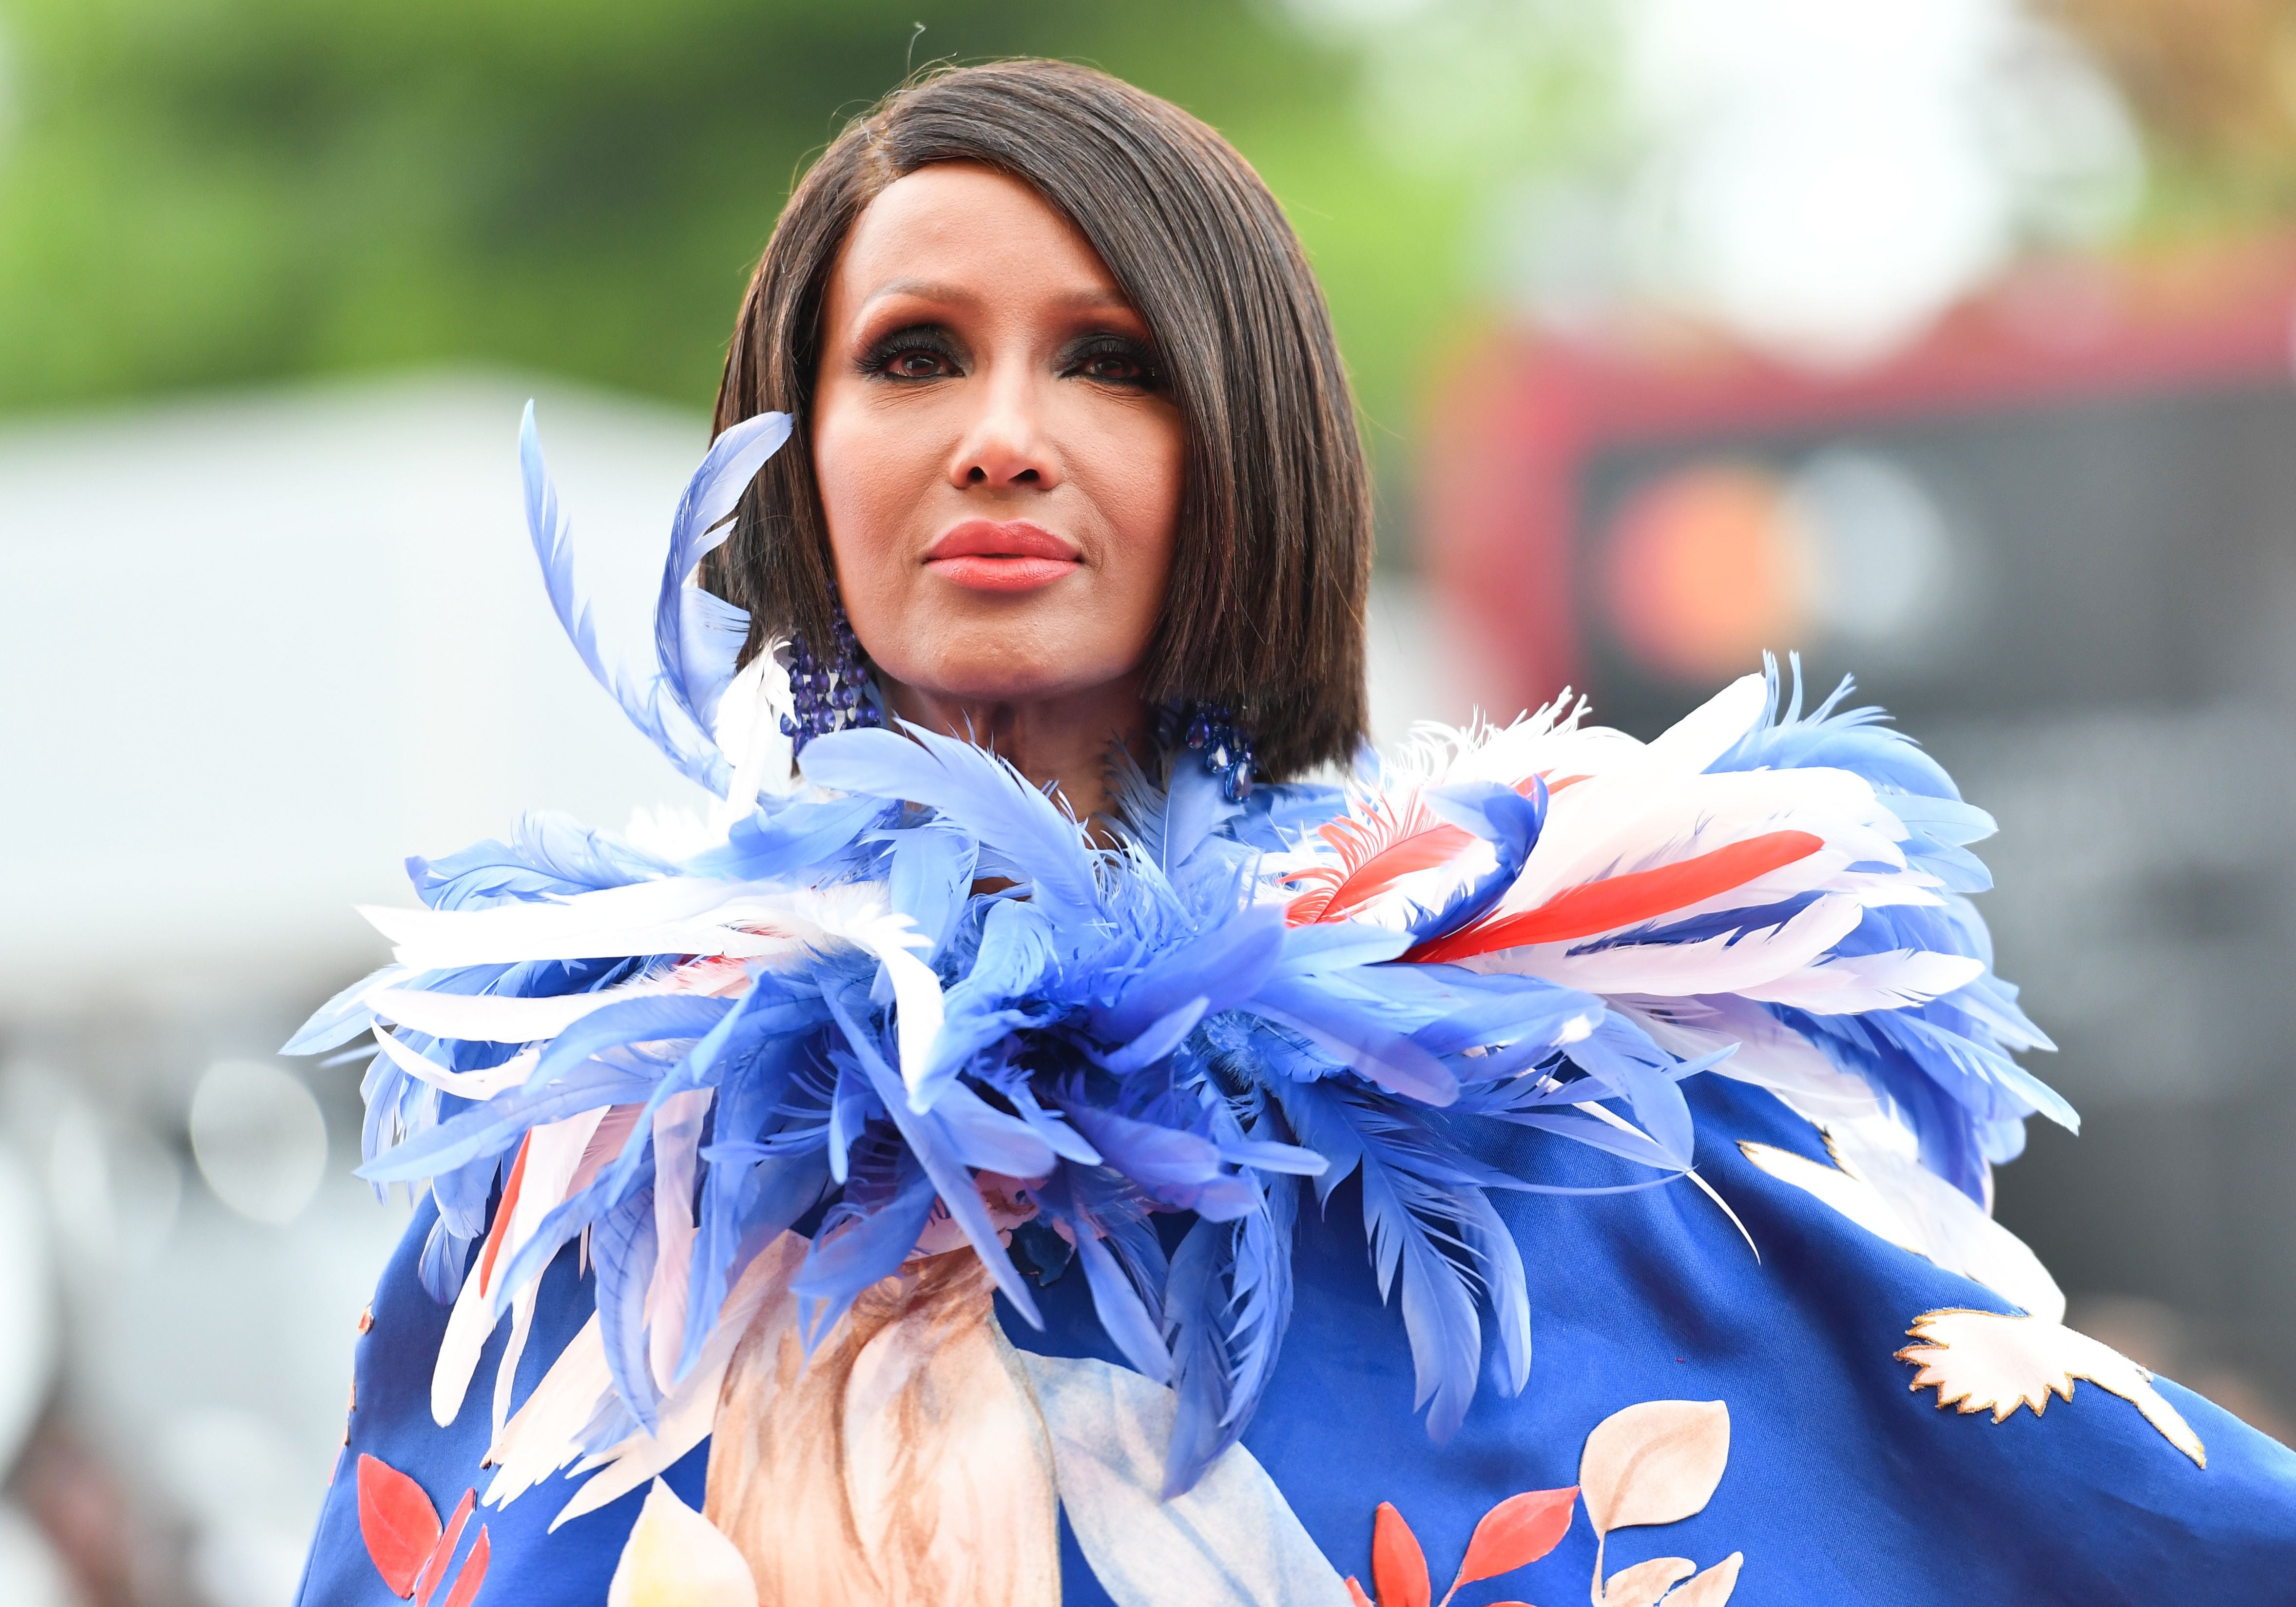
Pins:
x,y
893,1189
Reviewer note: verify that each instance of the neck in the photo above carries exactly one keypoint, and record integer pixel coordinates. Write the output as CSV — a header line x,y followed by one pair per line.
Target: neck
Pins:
x,y
1061,741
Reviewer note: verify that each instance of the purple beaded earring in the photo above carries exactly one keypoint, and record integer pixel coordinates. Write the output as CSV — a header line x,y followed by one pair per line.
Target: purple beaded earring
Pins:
x,y
1210,731
832,693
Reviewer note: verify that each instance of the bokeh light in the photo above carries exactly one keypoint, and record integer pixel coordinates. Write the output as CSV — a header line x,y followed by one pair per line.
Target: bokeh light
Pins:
x,y
260,1138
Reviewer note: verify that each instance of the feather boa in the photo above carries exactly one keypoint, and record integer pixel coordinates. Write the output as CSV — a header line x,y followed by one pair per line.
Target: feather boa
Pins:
x,y
809,1018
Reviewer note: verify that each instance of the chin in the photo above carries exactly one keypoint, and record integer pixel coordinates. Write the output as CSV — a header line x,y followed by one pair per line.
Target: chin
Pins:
x,y
992,667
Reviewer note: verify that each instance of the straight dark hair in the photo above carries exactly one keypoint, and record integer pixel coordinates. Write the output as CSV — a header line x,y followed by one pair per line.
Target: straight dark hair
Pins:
x,y
1265,607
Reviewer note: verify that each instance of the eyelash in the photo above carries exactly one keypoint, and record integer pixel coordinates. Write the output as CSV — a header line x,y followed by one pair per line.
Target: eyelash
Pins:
x,y
877,362
1151,374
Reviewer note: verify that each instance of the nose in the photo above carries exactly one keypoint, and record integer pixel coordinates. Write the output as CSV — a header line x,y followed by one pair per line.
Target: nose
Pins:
x,y
1005,445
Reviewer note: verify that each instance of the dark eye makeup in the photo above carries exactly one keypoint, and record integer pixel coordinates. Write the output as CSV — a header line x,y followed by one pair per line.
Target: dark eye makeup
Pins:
x,y
1113,360
919,352
925,351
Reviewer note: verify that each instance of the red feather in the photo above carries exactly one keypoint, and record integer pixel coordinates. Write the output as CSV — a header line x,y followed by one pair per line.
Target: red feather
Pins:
x,y
1520,1529
398,1522
473,1574
1398,1567
434,1570
1581,912
1376,849
502,1212
1356,1596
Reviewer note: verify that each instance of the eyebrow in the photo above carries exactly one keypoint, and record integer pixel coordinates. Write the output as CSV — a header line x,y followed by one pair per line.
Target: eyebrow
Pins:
x,y
930,290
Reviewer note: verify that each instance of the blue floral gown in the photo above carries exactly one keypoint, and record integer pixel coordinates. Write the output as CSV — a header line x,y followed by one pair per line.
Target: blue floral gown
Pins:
x,y
1550,1158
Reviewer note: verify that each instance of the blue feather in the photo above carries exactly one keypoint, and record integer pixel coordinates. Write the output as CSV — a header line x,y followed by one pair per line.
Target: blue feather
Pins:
x,y
1014,952
850,1108
1837,738
1337,946
1226,1305
932,878
1492,1249
466,1193
341,1018
683,744
1273,817
1170,824
1415,1205
695,665
744,1206
1535,1013
1621,1057
622,1249
445,1259
1163,1035
1183,1170
1225,967
1503,817
651,1018
491,1128
800,836
1125,1271
925,1135
483,874
856,1248
1022,833
985,1137
1357,1037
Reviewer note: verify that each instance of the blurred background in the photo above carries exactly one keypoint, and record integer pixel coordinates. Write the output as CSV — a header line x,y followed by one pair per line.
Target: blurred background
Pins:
x,y
1949,341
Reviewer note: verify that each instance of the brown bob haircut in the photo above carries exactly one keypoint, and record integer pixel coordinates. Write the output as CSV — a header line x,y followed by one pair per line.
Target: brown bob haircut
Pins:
x,y
1265,611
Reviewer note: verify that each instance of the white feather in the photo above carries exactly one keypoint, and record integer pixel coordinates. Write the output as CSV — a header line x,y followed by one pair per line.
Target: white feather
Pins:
x,y
540,1437
1852,984
521,1325
1769,1054
1615,825
552,1154
502,1019
1721,965
510,1074
760,1297
919,1008
679,915
676,1146
749,733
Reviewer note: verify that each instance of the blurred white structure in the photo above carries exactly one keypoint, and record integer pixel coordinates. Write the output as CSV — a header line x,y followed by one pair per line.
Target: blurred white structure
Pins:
x,y
259,649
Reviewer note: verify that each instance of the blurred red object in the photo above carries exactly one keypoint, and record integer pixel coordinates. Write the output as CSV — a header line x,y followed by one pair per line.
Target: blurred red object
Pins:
x,y
1505,496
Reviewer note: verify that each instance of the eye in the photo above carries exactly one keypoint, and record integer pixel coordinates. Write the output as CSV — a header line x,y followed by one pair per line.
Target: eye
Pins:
x,y
1114,360
920,353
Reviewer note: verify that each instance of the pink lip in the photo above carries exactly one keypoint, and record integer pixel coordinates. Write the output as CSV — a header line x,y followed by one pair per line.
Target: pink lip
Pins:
x,y
983,555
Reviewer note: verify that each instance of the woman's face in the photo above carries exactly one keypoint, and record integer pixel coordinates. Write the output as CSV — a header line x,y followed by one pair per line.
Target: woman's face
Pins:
x,y
998,455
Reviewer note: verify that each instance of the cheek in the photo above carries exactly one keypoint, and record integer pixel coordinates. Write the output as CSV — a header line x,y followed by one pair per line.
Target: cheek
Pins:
x,y
1140,492
858,464
875,476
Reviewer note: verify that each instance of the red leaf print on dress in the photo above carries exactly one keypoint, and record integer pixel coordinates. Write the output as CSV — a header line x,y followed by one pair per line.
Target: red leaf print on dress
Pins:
x,y
1398,1567
1519,1530
403,1535
473,1575
398,1522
